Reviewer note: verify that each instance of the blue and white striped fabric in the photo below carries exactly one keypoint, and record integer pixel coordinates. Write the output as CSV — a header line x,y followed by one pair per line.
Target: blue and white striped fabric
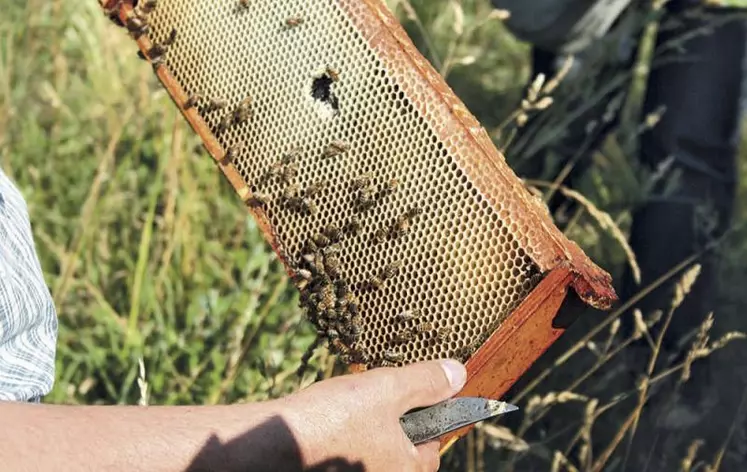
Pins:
x,y
28,321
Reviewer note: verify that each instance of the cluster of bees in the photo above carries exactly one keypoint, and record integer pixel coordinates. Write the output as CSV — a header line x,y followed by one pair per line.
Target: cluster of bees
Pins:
x,y
329,301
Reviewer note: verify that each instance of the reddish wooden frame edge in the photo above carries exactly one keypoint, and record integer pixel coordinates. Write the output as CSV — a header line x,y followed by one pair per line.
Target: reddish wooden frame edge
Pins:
x,y
519,341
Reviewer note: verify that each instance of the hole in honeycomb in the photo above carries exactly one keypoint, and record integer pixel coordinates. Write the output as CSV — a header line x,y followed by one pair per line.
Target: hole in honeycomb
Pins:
x,y
322,92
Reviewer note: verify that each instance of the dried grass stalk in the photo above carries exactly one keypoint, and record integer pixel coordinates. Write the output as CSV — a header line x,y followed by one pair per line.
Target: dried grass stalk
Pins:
x,y
142,384
503,437
604,220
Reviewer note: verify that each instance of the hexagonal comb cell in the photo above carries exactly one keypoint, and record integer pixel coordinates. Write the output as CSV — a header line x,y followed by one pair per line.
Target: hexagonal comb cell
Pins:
x,y
325,117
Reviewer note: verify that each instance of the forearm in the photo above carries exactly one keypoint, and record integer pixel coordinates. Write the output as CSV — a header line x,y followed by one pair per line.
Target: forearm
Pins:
x,y
60,438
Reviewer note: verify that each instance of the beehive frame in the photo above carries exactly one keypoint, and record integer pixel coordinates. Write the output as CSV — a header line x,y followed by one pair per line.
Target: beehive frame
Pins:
x,y
484,262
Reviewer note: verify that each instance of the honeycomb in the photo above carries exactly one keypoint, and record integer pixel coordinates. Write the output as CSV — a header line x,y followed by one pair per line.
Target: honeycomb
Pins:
x,y
344,125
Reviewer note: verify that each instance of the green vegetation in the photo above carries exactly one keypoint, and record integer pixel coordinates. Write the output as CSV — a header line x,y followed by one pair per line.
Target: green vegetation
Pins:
x,y
150,255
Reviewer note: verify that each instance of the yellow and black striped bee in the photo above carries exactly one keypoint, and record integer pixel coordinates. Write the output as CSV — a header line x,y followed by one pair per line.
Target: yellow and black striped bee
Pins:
x,y
146,7
353,227
243,112
443,333
400,228
333,74
424,327
391,270
389,187
217,103
232,153
393,356
310,206
321,240
404,336
379,236
407,315
193,100
294,21
336,148
333,233
375,283
260,199
315,188
361,181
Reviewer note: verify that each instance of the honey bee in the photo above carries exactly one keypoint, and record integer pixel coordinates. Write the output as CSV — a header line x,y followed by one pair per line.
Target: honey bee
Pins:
x,y
414,212
332,334
232,153
310,246
467,351
327,301
336,148
243,112
375,283
443,333
332,266
393,356
291,156
217,104
294,21
155,53
309,259
170,39
309,205
353,226
342,288
136,26
379,236
391,270
289,172
333,233
291,192
321,240
424,327
401,227
304,274
361,181
365,198
406,335
192,101
315,188
225,123
332,314
146,7
333,74
258,199
301,283
353,306
389,187
407,315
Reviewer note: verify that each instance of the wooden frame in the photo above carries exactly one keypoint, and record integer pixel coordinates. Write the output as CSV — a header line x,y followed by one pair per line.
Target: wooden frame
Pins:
x,y
531,328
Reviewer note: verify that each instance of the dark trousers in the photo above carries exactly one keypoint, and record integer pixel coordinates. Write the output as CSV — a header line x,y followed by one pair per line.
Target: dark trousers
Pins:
x,y
700,88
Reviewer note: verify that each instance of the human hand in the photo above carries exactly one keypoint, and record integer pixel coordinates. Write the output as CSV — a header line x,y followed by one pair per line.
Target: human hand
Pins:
x,y
355,418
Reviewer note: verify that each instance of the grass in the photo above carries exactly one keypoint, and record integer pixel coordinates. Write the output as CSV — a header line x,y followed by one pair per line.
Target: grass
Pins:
x,y
165,290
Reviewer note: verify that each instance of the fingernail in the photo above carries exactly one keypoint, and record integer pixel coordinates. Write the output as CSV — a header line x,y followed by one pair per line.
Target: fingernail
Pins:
x,y
455,373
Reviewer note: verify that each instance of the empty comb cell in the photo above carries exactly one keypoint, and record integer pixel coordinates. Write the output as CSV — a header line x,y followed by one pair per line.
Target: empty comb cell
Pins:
x,y
440,249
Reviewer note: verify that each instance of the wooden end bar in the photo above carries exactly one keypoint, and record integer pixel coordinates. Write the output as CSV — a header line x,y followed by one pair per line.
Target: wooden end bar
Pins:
x,y
516,344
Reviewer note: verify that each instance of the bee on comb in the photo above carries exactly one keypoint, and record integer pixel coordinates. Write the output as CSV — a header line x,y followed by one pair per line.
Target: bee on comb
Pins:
x,y
336,148
294,21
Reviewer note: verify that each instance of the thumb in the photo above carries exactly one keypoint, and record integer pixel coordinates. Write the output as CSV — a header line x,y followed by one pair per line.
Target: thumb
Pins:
x,y
428,383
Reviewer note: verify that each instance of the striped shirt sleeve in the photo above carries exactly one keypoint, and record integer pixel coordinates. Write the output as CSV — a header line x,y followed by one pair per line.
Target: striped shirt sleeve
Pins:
x,y
28,321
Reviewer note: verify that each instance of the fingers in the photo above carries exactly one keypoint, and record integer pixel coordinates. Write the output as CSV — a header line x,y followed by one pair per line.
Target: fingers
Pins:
x,y
429,456
427,383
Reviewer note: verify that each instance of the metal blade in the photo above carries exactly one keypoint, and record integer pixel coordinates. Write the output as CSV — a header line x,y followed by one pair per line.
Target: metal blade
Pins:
x,y
430,423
